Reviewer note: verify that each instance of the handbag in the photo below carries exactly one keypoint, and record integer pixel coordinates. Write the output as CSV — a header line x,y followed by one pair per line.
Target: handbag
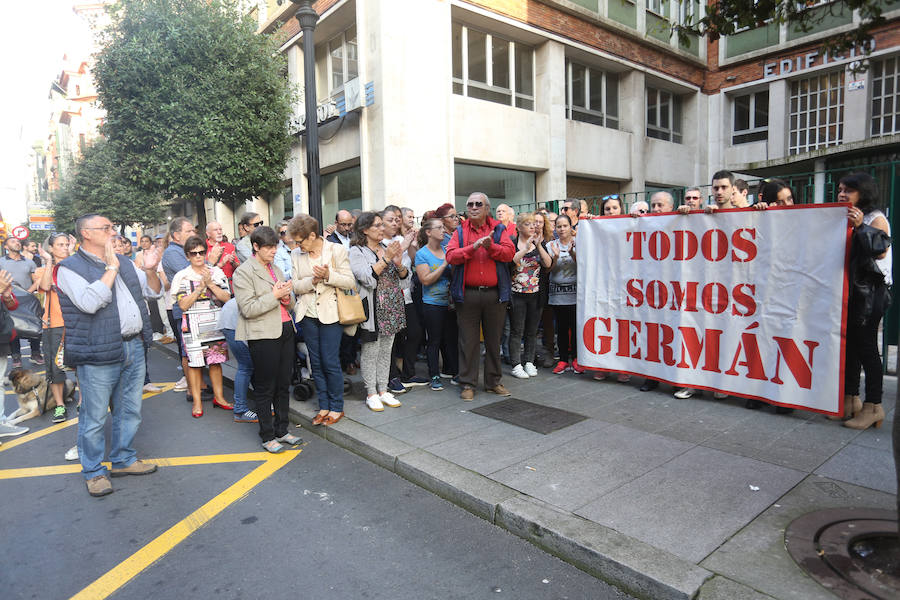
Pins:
x,y
349,304
28,317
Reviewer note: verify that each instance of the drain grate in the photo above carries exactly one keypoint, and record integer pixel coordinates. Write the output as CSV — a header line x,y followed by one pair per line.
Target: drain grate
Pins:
x,y
528,415
854,552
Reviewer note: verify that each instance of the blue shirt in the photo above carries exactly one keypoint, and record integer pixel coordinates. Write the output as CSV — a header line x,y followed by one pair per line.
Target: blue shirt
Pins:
x,y
282,259
438,293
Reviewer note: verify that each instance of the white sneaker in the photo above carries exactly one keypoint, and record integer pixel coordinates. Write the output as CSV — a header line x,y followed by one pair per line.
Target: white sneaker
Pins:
x,y
72,453
530,369
181,385
685,393
151,388
389,399
7,430
374,403
518,371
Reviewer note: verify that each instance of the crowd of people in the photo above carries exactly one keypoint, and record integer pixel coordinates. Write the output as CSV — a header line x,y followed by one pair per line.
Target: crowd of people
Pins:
x,y
470,292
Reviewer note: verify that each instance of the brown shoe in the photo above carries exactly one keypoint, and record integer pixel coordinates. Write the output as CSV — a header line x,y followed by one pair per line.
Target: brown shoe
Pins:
x,y
99,486
871,414
166,340
467,393
499,390
329,420
319,418
138,467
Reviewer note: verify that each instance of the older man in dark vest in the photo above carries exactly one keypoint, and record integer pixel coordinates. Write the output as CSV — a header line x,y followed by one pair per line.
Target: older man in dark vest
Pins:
x,y
107,330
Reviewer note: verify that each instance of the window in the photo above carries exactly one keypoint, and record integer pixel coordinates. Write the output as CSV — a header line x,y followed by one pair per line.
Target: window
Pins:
x,y
343,64
341,190
663,115
885,96
657,7
592,95
492,68
751,118
688,12
816,112
506,186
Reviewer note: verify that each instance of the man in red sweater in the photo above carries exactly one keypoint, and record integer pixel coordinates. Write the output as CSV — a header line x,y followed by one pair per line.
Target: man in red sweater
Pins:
x,y
220,253
481,289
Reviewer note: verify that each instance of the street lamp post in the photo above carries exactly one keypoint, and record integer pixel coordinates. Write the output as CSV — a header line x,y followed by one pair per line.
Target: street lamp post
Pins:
x,y
308,18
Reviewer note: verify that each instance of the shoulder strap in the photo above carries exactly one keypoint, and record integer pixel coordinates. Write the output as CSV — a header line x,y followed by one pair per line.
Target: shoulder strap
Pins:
x,y
499,228
459,235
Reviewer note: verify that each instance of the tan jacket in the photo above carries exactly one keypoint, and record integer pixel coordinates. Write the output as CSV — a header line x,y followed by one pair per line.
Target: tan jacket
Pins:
x,y
334,256
259,315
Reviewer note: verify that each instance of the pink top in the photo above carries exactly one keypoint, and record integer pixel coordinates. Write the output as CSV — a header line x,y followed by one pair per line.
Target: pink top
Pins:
x,y
285,315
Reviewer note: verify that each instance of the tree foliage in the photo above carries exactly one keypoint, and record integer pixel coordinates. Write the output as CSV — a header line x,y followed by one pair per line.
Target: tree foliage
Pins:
x,y
197,103
97,185
725,17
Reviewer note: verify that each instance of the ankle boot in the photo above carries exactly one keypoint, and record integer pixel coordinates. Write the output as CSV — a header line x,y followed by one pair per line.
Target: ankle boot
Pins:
x,y
852,407
871,414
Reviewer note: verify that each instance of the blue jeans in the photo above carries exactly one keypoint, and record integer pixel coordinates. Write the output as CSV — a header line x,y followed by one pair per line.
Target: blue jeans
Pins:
x,y
241,352
118,388
324,345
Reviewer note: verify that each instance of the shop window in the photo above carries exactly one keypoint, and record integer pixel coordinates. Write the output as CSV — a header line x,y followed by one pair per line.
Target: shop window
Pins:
x,y
502,186
341,190
816,112
885,96
592,95
663,115
750,122
492,68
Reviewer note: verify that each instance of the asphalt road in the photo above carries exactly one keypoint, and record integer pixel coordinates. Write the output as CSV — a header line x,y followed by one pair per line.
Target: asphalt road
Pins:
x,y
322,524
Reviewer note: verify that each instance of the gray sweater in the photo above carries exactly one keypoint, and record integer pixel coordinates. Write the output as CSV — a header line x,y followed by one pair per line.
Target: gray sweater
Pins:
x,y
362,259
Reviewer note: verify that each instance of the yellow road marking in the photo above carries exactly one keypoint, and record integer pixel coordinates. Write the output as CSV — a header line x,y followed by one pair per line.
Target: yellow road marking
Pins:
x,y
37,434
177,461
159,547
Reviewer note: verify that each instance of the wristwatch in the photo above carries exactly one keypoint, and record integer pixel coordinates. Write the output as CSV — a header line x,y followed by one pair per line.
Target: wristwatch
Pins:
x,y
112,268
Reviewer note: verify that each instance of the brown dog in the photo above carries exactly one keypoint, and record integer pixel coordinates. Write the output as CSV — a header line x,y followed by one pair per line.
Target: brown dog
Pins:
x,y
33,394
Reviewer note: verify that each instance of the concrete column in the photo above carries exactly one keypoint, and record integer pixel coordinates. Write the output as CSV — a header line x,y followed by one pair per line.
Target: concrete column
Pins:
x,y
779,118
856,109
633,118
819,181
406,135
550,85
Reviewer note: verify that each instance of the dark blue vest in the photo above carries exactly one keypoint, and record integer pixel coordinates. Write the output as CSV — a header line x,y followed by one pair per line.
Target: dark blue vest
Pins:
x,y
97,339
458,272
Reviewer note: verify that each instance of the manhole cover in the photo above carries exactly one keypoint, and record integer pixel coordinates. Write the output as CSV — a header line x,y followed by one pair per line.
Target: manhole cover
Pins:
x,y
536,417
854,552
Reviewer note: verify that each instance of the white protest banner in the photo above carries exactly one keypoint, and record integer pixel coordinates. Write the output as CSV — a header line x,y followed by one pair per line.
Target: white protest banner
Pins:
x,y
747,302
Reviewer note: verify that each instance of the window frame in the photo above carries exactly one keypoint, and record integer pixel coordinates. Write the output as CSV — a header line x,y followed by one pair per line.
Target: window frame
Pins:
x,y
657,7
754,129
602,114
804,115
879,117
334,92
674,132
517,98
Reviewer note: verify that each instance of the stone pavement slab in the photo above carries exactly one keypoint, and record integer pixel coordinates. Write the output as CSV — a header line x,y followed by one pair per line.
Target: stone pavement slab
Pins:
x,y
435,426
861,465
691,504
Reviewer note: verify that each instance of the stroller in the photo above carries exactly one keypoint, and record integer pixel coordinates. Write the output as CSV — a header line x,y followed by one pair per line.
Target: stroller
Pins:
x,y
301,379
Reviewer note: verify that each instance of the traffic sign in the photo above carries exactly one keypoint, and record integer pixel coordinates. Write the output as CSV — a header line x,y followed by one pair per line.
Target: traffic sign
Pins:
x,y
20,232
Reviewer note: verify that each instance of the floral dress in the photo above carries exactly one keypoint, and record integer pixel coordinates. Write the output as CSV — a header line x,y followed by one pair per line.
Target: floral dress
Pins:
x,y
203,342
390,307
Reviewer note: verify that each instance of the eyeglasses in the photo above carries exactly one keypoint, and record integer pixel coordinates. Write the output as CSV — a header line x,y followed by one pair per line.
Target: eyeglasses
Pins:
x,y
196,252
692,197
477,204
282,233
642,211
255,225
453,216
106,228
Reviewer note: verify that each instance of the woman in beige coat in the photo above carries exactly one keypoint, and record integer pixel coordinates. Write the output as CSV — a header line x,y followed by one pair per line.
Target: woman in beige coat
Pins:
x,y
264,302
321,271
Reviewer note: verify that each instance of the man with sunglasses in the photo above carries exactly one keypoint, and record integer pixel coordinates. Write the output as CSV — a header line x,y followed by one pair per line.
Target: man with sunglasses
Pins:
x,y
107,330
480,251
282,258
247,225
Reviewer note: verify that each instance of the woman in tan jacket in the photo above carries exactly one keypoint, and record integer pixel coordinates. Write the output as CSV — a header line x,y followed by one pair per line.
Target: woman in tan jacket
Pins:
x,y
264,302
321,271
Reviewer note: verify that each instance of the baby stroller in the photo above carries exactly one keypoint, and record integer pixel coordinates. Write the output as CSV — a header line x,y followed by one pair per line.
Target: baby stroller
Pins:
x,y
303,386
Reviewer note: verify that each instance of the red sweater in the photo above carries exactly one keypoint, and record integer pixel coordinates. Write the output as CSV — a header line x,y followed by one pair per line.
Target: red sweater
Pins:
x,y
227,248
481,264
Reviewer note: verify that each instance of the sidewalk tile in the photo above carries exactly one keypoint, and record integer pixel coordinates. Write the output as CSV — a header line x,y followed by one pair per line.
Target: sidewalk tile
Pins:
x,y
437,426
863,466
756,555
691,504
577,472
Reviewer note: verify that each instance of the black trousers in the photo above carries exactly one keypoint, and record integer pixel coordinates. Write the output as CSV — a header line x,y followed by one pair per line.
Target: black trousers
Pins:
x,y
406,345
565,331
349,349
273,361
155,318
862,352
442,334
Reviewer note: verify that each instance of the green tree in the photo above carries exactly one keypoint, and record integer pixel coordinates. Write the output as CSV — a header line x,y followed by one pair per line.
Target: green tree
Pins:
x,y
724,17
197,103
98,185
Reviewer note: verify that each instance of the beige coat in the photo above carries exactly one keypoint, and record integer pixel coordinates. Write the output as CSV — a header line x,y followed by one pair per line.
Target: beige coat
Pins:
x,y
334,256
259,316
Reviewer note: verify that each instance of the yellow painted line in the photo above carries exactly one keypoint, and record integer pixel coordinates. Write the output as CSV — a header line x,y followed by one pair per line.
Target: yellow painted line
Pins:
x,y
161,545
37,434
177,461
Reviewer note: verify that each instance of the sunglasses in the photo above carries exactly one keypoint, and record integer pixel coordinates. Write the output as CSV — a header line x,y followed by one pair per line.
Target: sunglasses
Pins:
x,y
196,252
474,204
612,197
282,232
642,211
692,197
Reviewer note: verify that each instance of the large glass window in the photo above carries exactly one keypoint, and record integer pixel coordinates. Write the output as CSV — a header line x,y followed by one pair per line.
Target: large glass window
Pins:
x,y
492,68
663,115
885,96
750,121
341,190
592,95
816,112
502,186
343,61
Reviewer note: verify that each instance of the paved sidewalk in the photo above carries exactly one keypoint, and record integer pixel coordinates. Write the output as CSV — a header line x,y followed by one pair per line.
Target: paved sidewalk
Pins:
x,y
656,495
